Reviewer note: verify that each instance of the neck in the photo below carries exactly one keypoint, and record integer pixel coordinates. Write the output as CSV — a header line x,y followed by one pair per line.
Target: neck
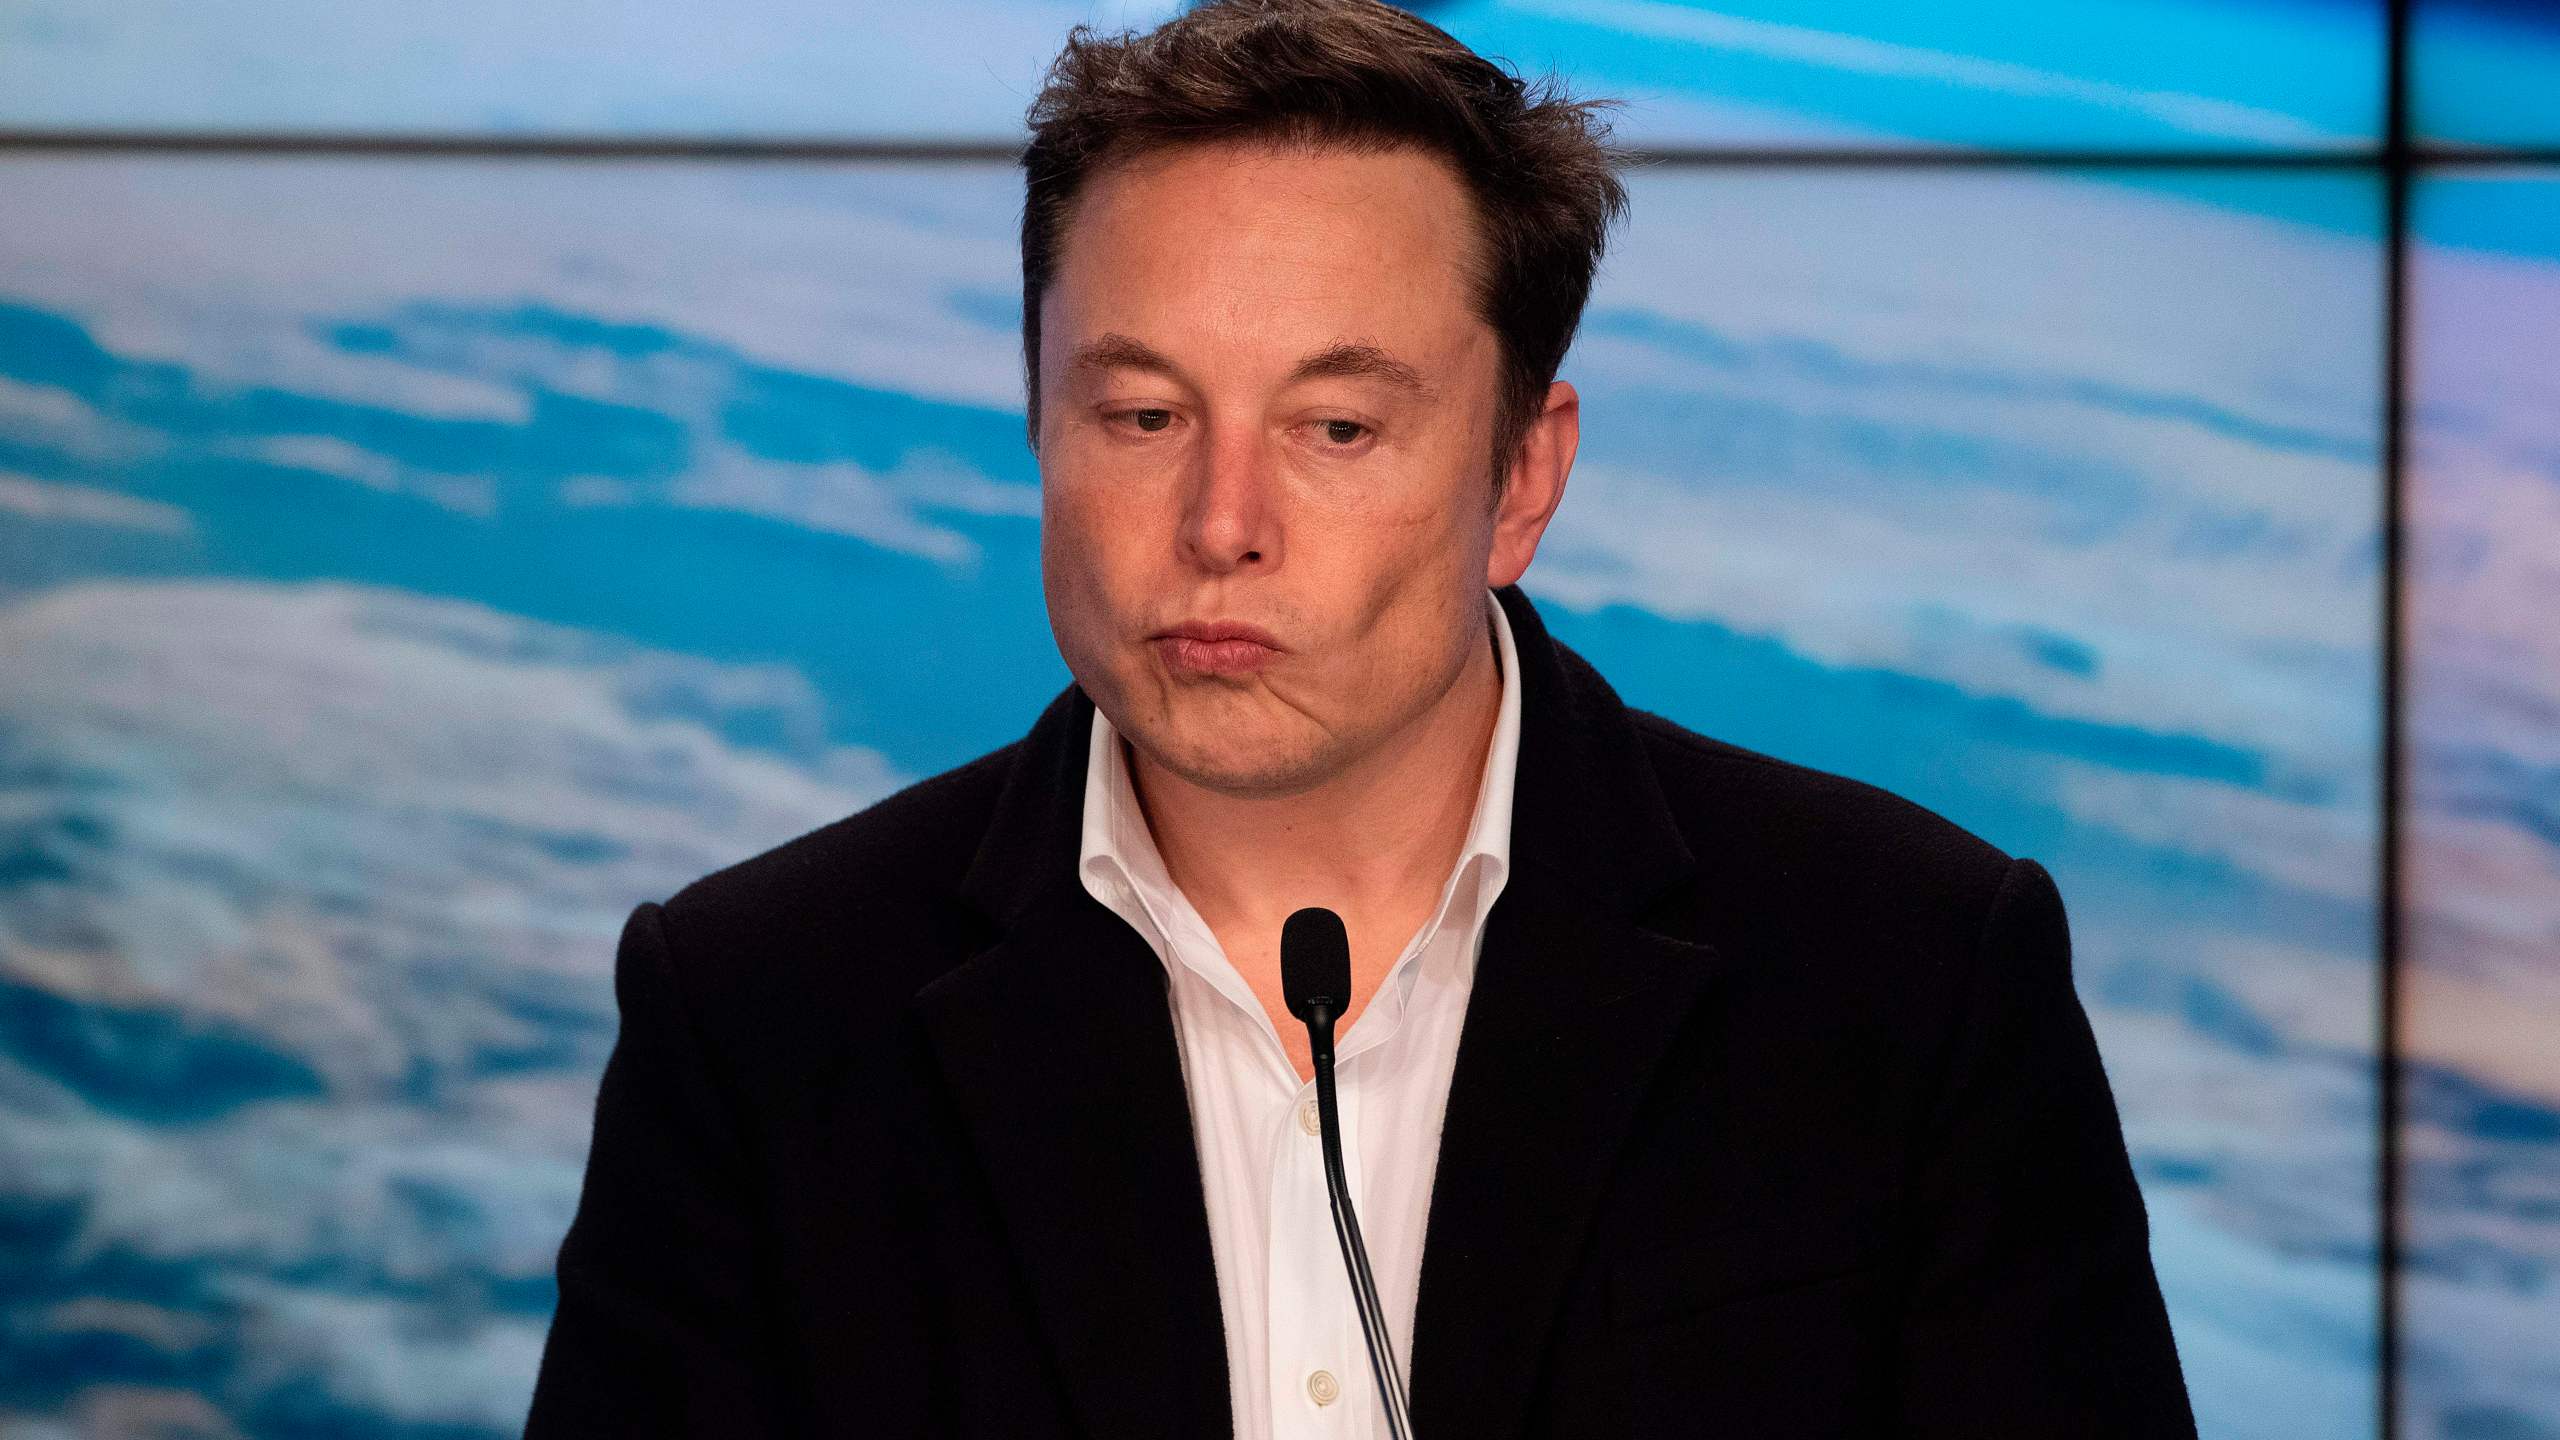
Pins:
x,y
1366,842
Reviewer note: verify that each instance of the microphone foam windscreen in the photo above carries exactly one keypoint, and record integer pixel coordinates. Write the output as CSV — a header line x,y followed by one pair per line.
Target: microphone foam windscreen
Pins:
x,y
1315,960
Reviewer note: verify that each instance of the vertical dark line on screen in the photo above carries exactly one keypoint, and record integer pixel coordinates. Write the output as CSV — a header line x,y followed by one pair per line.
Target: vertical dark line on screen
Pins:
x,y
2396,175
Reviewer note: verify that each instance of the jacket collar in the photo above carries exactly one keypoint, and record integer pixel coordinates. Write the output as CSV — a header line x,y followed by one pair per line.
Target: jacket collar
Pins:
x,y
1059,1050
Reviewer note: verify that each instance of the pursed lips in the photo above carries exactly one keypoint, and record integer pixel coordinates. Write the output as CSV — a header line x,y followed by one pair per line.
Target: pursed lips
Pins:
x,y
1216,647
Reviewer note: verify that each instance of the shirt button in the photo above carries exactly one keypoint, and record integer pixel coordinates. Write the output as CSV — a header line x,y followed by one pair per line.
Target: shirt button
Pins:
x,y
1310,1120
1322,1387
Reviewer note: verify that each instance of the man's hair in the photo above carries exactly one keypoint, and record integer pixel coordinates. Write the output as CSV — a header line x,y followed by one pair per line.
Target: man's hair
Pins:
x,y
1364,76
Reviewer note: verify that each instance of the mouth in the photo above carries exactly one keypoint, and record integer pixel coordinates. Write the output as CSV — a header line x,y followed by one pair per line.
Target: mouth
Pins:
x,y
1215,647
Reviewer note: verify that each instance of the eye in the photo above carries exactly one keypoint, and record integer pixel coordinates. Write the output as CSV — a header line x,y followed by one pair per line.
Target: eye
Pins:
x,y
1334,430
1152,421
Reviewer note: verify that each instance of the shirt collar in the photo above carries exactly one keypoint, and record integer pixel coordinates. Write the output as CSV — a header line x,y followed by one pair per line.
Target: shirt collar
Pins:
x,y
1119,847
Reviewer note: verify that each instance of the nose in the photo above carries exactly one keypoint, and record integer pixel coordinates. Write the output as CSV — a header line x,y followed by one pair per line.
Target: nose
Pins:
x,y
1229,516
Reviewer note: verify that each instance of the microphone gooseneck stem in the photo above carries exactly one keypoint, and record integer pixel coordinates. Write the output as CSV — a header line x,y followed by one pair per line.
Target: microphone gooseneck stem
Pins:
x,y
1346,1229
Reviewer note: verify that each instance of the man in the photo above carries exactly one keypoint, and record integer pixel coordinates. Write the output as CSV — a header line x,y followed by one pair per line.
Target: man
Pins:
x,y
1684,1090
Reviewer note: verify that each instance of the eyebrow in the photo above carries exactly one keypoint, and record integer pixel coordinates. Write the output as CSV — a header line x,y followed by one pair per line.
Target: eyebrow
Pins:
x,y
1345,359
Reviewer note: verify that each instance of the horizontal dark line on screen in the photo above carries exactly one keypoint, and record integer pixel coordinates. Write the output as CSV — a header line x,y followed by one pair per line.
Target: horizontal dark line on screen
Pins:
x,y
748,147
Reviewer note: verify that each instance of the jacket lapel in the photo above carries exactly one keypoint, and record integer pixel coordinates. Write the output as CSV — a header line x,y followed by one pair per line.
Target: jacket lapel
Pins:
x,y
1577,994
1058,1047
1570,1014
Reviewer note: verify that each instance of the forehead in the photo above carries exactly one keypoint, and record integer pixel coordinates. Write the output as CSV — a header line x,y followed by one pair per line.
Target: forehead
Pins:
x,y
1252,237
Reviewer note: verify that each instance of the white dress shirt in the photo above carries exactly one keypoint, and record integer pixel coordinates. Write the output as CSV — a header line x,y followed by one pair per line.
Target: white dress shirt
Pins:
x,y
1296,1363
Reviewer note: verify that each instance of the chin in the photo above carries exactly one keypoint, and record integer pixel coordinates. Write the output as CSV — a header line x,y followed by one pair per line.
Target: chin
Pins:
x,y
1231,759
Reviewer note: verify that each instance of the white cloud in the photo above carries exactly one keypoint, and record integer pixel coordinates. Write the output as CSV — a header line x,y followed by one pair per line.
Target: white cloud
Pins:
x,y
375,1357
466,494
1922,417
2483,669
2040,279
1847,53
309,774
55,419
2255,1322
957,67
2270,666
240,270
391,839
849,499
238,267
88,505
2325,848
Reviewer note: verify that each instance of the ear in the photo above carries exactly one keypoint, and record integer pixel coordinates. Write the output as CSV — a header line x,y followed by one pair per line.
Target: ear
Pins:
x,y
1536,486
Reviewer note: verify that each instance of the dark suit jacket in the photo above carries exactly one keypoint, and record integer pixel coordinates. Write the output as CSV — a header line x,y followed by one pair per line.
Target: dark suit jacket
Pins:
x,y
1774,1114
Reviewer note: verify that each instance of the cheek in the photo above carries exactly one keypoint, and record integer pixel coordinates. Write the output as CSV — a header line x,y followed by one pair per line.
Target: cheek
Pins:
x,y
1098,505
1098,573
1089,550
1413,559
1075,518
1070,563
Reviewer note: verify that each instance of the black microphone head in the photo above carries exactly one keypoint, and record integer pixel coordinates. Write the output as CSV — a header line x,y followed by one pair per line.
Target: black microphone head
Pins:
x,y
1315,961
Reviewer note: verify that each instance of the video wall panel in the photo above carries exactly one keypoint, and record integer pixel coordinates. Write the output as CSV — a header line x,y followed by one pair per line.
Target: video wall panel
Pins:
x,y
2485,74
2481,829
2185,75
407,566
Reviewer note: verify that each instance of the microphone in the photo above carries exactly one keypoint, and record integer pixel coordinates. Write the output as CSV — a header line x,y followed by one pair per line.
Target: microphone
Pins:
x,y
1315,978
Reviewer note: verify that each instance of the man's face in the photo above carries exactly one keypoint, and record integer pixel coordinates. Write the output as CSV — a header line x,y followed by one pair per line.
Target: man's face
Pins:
x,y
1266,397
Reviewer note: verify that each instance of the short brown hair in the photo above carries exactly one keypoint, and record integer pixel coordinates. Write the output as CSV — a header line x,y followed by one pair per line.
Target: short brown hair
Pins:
x,y
1365,76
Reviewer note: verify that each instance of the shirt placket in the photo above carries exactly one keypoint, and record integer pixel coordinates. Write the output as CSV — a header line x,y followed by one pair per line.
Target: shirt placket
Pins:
x,y
1316,1359
1320,1386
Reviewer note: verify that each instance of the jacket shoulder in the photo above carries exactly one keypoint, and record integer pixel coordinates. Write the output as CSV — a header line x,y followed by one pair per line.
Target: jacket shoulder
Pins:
x,y
858,907
1864,920
1783,831
931,825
